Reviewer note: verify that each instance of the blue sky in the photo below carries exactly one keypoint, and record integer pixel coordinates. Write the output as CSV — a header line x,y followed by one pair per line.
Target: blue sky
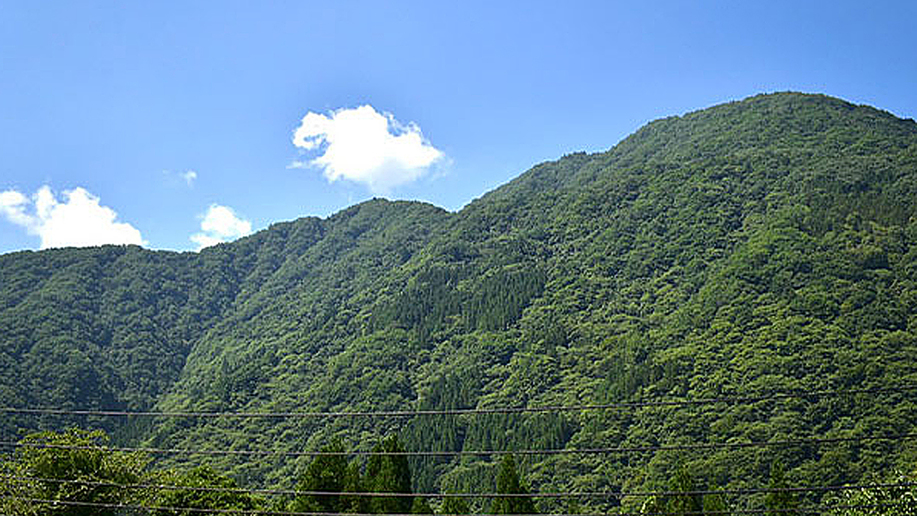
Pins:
x,y
172,123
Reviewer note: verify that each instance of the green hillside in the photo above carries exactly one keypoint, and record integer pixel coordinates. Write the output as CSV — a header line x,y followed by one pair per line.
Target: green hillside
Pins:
x,y
767,245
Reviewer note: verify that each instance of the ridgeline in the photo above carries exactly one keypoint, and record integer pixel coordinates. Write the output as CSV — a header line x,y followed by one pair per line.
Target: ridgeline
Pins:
x,y
757,247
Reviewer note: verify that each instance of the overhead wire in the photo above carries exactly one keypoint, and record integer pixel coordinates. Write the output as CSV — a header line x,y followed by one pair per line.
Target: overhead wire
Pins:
x,y
377,494
267,512
458,412
461,453
497,410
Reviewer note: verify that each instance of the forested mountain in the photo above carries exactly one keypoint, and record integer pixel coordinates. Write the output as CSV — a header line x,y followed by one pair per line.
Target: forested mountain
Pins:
x,y
756,247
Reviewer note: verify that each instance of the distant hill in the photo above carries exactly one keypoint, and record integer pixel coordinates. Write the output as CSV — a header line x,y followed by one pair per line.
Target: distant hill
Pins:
x,y
767,245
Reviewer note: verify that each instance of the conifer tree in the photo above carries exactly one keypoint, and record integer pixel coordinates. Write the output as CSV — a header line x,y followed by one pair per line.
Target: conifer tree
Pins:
x,y
779,502
683,502
326,473
389,474
508,482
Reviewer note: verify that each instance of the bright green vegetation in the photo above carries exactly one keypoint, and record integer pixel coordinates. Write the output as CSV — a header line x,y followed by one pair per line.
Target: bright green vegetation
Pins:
x,y
760,246
77,473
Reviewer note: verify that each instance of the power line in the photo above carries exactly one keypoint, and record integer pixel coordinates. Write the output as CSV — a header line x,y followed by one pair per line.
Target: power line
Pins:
x,y
376,494
101,505
459,412
606,450
812,509
462,453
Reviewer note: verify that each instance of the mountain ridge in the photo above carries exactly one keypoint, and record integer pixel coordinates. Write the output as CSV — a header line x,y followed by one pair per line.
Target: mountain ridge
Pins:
x,y
759,245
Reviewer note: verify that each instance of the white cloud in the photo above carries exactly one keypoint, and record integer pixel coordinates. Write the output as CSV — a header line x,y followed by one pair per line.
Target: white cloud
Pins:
x,y
78,221
173,178
13,206
220,224
365,146
189,176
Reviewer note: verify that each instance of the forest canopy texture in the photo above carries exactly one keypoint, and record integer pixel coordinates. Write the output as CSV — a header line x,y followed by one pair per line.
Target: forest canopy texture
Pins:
x,y
753,248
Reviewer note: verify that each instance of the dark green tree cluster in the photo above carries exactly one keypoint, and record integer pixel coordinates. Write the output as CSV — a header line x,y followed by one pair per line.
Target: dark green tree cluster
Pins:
x,y
387,471
332,473
781,499
686,497
508,482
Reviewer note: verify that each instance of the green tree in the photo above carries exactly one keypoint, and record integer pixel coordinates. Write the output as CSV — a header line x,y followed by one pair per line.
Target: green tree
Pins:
x,y
421,506
326,473
779,502
389,473
455,506
509,482
886,501
354,483
685,499
69,469
684,502
222,498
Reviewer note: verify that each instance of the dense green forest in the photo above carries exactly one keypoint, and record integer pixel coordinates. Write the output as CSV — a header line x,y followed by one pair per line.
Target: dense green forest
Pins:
x,y
750,249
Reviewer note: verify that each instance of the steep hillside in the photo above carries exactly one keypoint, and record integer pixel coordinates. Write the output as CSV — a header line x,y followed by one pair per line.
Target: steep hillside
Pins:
x,y
754,247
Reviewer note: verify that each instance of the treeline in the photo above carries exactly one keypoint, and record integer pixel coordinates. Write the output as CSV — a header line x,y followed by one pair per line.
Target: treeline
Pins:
x,y
76,473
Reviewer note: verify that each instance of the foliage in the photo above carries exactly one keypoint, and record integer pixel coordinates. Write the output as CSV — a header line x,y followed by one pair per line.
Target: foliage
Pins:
x,y
326,473
780,500
75,473
508,482
685,497
389,474
885,501
218,493
420,506
455,505
44,479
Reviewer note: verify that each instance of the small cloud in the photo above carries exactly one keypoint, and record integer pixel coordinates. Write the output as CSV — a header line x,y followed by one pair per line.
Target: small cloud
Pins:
x,y
176,179
13,206
189,176
365,146
220,224
78,221
203,240
298,164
